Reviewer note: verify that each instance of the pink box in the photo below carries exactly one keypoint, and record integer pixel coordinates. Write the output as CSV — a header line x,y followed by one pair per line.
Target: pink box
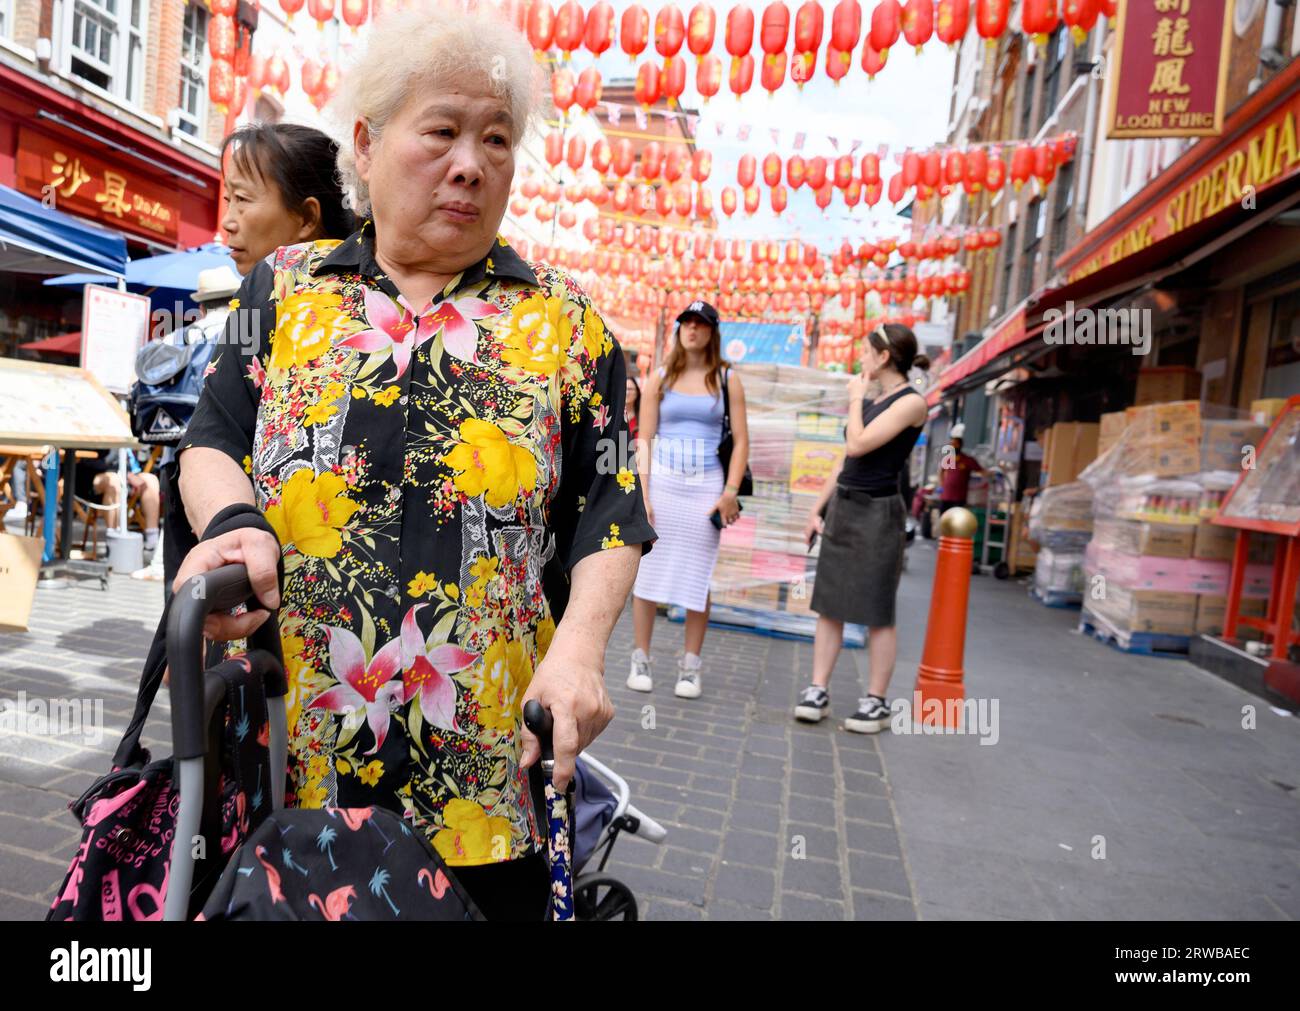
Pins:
x,y
1175,575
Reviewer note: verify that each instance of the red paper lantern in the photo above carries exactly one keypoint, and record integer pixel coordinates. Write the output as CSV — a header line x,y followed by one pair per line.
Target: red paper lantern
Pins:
x,y
589,89
622,196
1022,165
1038,17
741,78
703,203
1109,8
809,23
290,8
355,13
853,193
277,74
775,31
977,170
740,33
1080,16
598,35
991,18
751,199
778,197
563,89
1065,146
567,218
570,25
221,82
673,80
701,26
649,86
918,22
682,200
623,157
670,31
954,168
843,170
772,169
997,174
896,189
795,170
674,163
310,76
932,169
815,176
728,201
651,161
540,25
577,153
837,64
911,169
1045,163
992,238
873,62
322,11
870,169
952,17
773,72
257,72
554,149
708,76
663,202
701,166
885,28
745,171
221,37
634,30
846,26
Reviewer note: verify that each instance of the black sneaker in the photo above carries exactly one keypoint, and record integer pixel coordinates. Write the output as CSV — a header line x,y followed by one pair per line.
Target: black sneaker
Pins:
x,y
813,705
872,717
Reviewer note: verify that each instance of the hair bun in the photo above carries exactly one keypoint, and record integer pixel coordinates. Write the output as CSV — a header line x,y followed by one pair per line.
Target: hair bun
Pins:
x,y
921,362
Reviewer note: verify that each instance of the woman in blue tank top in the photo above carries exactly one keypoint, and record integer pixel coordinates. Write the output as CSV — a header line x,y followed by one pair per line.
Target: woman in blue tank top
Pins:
x,y
681,414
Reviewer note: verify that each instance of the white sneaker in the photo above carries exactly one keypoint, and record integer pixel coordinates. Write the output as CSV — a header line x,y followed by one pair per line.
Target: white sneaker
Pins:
x,y
17,512
639,680
688,677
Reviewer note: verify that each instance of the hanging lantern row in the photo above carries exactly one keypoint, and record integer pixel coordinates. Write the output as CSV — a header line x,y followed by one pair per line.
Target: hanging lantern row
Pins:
x,y
794,42
671,162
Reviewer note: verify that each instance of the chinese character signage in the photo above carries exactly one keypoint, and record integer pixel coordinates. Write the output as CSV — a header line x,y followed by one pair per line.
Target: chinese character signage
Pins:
x,y
1169,68
80,182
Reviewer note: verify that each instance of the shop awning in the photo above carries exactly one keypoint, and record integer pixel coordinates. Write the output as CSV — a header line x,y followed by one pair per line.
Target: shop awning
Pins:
x,y
178,271
35,239
63,344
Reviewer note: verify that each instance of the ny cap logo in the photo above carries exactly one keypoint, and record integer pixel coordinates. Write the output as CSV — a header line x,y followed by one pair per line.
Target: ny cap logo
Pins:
x,y
695,307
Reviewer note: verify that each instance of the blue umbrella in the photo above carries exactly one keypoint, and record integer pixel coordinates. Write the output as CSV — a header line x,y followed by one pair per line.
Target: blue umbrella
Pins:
x,y
175,271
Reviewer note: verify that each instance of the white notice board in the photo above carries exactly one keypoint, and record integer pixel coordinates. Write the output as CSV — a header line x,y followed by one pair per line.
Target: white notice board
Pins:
x,y
114,327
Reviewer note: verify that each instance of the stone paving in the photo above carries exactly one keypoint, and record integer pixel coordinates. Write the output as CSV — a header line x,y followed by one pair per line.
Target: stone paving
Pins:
x,y
1120,787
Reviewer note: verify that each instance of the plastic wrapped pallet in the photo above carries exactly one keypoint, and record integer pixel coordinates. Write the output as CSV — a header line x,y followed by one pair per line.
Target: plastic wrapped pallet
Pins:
x,y
1061,517
1058,577
765,574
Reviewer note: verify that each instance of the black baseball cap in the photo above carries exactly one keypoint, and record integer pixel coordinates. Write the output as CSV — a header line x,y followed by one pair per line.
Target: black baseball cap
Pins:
x,y
701,309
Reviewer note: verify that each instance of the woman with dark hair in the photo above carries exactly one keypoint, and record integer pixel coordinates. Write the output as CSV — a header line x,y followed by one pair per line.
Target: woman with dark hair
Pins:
x,y
863,530
683,405
281,189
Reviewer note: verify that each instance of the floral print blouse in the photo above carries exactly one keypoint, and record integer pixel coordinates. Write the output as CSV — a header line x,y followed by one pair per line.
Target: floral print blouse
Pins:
x,y
433,474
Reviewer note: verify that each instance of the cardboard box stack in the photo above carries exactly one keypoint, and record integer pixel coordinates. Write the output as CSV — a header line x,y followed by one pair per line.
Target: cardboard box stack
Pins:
x,y
764,577
1156,563
1068,447
1163,384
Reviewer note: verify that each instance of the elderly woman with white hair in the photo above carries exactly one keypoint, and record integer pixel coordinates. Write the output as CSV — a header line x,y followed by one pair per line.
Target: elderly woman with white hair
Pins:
x,y
420,421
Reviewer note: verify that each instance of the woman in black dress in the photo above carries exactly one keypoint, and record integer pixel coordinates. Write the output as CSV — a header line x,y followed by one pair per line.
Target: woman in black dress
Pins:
x,y
863,530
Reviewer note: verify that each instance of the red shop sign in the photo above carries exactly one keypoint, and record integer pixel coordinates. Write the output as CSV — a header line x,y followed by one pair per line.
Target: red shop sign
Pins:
x,y
1170,68
70,179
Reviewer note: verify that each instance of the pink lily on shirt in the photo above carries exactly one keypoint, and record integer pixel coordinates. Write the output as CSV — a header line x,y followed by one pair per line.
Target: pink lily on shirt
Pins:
x,y
457,321
363,687
425,670
392,328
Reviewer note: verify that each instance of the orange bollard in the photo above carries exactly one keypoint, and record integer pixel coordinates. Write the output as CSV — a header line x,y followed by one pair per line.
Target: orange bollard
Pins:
x,y
940,675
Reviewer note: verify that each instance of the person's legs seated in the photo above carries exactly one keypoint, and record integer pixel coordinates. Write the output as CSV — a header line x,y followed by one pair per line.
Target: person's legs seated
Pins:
x,y
150,505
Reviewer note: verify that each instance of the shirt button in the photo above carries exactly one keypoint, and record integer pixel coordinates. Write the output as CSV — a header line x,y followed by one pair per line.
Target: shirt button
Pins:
x,y
402,400
393,592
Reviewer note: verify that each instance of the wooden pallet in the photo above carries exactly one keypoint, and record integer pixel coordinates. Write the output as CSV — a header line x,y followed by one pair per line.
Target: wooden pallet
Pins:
x,y
1056,598
1142,643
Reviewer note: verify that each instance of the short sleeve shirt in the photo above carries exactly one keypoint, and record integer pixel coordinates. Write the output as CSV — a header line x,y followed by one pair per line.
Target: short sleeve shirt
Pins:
x,y
433,473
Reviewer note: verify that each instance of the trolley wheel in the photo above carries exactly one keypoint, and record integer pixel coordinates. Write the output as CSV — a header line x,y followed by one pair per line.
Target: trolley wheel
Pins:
x,y
1001,571
927,530
600,897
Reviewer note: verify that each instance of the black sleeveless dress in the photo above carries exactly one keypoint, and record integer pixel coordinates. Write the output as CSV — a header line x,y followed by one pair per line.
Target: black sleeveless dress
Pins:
x,y
861,556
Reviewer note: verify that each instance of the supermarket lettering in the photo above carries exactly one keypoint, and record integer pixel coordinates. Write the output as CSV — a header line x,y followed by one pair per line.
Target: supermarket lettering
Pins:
x,y
976,717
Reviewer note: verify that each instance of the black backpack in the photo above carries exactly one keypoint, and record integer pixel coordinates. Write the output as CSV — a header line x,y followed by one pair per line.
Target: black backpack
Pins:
x,y
170,379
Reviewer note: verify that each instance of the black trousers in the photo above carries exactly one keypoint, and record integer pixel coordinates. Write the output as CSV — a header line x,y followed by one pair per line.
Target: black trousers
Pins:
x,y
517,890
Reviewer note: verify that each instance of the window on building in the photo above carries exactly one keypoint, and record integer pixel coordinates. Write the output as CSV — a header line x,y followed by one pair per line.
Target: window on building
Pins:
x,y
6,19
1027,106
1034,227
106,45
1058,52
1061,210
192,104
1008,262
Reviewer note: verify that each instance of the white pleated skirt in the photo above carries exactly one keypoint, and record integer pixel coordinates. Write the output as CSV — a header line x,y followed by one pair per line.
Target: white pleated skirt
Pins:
x,y
678,570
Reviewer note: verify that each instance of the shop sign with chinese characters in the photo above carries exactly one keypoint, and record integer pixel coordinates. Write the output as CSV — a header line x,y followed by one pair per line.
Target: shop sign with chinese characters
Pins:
x,y
1170,68
70,179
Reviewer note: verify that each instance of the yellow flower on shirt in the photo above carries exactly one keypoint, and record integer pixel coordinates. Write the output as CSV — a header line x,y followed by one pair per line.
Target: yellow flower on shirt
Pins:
x,y
484,570
370,773
422,583
490,465
311,511
595,338
318,414
470,836
537,335
306,326
612,541
507,671
386,397
626,480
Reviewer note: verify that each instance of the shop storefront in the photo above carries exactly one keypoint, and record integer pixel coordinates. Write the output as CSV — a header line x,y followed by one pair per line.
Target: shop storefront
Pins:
x,y
80,162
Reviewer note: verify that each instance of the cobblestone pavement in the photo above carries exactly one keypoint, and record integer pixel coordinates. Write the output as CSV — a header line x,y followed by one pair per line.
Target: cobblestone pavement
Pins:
x,y
1119,786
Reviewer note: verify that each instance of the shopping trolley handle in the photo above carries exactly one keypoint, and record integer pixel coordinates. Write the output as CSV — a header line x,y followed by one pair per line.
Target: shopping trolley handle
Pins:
x,y
218,590
538,719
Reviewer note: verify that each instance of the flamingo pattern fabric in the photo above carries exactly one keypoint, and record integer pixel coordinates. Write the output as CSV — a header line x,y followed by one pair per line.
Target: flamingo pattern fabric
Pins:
x,y
338,864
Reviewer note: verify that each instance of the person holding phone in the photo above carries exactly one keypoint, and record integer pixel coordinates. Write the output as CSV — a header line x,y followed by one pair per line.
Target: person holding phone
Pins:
x,y
688,497
859,516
